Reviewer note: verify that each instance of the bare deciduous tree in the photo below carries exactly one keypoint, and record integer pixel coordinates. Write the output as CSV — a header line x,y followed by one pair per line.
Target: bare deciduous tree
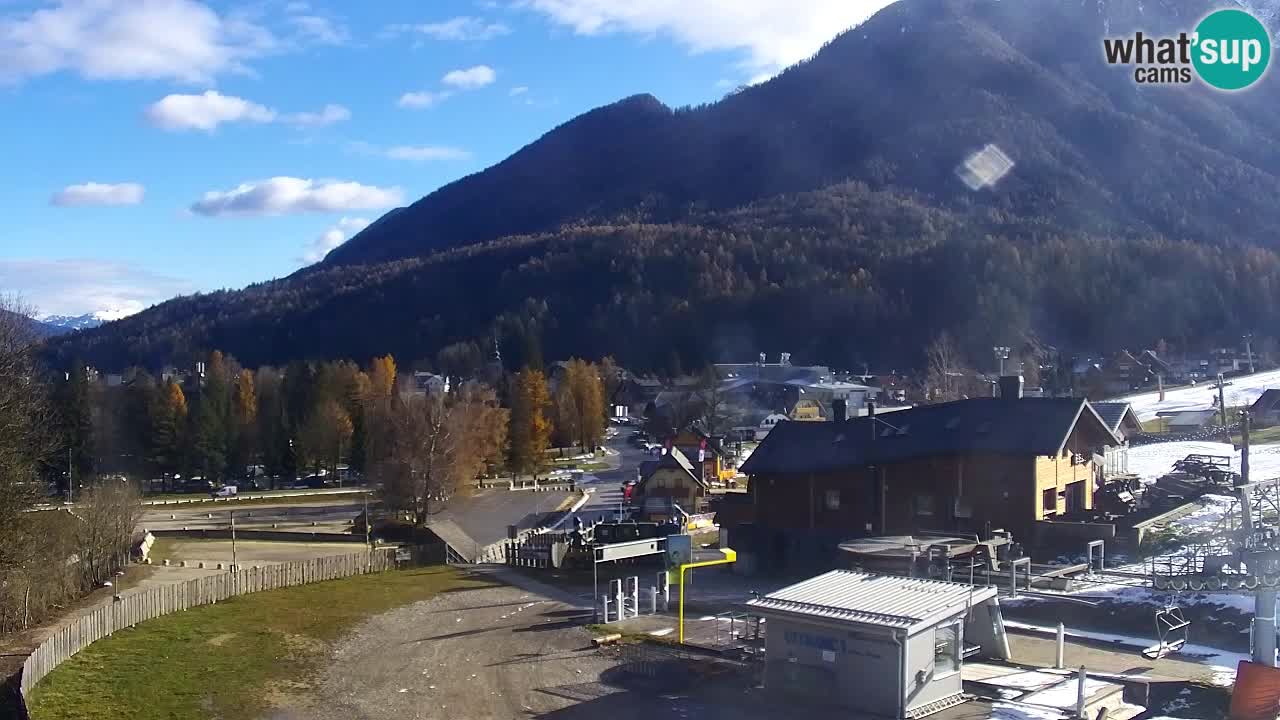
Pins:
x,y
440,443
109,514
944,370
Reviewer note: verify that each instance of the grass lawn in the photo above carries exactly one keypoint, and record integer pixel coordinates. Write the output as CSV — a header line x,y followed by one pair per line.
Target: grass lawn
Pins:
x,y
1258,437
226,660
1156,425
162,549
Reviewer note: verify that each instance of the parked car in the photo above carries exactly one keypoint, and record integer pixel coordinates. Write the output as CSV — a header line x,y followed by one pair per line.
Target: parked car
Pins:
x,y
224,491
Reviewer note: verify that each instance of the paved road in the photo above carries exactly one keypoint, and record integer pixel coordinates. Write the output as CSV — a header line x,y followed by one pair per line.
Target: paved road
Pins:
x,y
607,484
484,516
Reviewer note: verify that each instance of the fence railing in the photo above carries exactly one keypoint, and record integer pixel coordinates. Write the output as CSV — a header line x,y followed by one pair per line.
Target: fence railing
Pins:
x,y
130,610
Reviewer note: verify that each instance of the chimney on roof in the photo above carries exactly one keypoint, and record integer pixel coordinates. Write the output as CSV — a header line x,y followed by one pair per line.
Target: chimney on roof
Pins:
x,y
840,410
1011,387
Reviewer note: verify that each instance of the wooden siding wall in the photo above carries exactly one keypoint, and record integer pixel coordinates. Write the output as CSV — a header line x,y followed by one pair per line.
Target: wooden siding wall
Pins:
x,y
162,600
1056,473
993,488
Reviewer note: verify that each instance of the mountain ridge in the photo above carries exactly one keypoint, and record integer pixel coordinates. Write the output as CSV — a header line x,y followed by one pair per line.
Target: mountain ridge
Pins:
x,y
1130,215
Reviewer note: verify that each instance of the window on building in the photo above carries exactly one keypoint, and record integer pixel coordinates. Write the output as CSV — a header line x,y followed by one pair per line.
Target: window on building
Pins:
x,y
833,500
946,649
1049,500
925,505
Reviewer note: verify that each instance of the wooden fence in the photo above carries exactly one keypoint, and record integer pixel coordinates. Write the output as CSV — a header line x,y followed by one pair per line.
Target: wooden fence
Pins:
x,y
132,609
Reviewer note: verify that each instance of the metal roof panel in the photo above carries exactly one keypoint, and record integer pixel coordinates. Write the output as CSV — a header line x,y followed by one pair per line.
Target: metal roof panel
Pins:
x,y
867,599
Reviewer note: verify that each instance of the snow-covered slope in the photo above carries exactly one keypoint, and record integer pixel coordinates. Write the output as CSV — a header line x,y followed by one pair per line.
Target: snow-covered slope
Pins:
x,y
1240,391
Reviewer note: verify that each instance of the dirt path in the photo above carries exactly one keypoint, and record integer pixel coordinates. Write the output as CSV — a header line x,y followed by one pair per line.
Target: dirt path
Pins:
x,y
497,652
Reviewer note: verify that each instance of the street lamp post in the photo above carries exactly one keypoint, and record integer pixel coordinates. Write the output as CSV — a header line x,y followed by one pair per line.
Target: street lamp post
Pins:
x,y
1002,354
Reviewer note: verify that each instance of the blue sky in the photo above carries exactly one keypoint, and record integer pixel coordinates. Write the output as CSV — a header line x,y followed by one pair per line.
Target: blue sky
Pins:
x,y
159,147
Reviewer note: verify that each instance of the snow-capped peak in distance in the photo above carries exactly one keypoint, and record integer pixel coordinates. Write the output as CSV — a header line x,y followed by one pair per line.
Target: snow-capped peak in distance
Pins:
x,y
88,320
103,316
72,322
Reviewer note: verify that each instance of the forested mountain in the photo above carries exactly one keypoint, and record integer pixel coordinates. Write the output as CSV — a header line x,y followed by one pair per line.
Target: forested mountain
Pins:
x,y
818,213
899,102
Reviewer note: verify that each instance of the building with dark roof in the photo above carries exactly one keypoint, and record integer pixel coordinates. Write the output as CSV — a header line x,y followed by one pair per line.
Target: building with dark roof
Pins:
x,y
966,466
1266,409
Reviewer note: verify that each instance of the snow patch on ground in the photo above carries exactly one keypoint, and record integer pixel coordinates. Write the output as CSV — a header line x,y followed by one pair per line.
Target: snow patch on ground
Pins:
x,y
1154,460
1241,391
1221,662
1063,695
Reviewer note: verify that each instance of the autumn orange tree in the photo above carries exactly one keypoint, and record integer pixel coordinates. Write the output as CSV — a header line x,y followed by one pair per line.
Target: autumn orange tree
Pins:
x,y
324,436
244,422
168,429
579,405
530,425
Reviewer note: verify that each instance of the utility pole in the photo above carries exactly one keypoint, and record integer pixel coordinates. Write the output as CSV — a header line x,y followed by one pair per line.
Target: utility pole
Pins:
x,y
1248,350
1264,599
70,479
1222,403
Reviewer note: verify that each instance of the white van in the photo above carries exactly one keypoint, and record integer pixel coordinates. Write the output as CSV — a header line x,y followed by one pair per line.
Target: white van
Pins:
x,y
224,491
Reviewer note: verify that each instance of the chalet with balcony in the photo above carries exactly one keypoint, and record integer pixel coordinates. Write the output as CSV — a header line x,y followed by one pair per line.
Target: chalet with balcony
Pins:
x,y
1124,424
668,485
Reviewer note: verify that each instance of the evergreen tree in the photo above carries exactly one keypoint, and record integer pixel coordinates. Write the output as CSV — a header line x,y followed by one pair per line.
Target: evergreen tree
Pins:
x,y
75,409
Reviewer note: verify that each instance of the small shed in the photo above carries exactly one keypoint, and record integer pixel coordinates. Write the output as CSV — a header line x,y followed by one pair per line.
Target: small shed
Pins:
x,y
1191,420
877,644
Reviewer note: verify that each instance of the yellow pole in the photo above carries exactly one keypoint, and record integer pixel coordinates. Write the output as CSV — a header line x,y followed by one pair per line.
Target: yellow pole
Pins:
x,y
682,569
729,556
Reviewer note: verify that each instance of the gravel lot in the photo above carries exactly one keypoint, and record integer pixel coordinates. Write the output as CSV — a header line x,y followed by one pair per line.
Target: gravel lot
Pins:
x,y
495,652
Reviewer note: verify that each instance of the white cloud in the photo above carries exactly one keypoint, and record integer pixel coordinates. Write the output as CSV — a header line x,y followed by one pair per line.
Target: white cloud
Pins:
x,y
520,90
458,28
99,194
470,78
210,109
421,99
774,34
426,152
181,40
328,115
76,286
289,195
331,238
205,111
319,30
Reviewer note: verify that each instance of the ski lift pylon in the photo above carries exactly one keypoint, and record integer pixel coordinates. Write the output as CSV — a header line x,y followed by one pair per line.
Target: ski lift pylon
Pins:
x,y
1171,628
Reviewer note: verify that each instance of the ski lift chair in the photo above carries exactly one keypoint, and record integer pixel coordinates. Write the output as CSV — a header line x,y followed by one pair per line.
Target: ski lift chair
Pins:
x,y
1171,628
